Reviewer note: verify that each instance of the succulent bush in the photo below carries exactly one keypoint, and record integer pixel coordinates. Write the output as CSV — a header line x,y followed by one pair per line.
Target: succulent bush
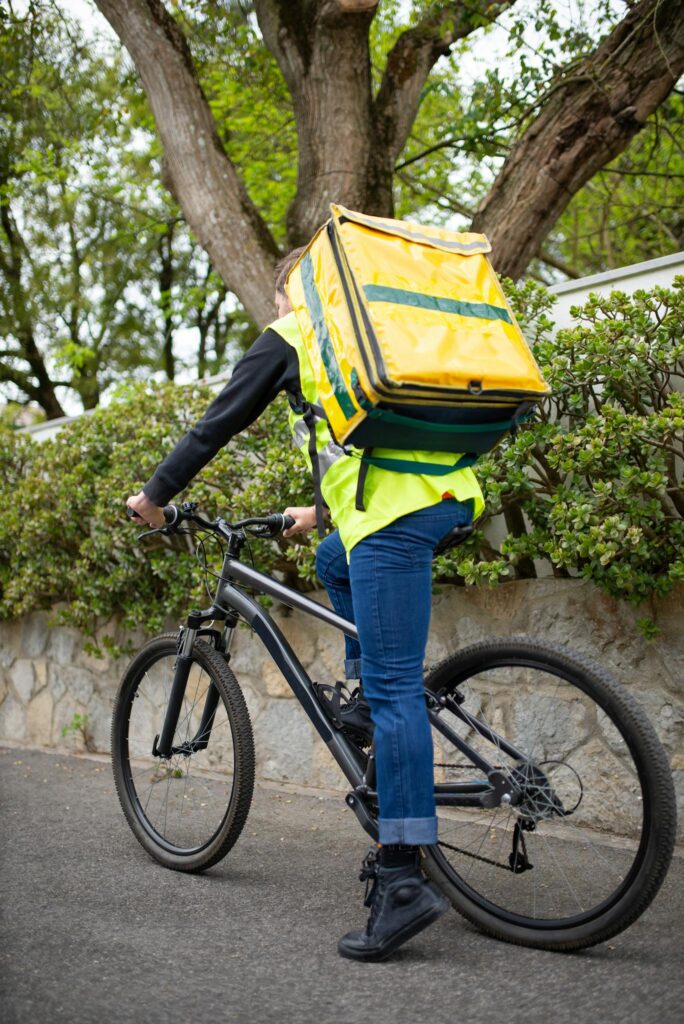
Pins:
x,y
592,488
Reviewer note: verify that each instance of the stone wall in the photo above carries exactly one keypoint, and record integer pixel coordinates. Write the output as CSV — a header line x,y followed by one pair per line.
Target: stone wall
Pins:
x,y
46,678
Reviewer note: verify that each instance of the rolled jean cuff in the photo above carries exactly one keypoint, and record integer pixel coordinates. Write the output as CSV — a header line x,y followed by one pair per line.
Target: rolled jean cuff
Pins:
x,y
408,831
352,668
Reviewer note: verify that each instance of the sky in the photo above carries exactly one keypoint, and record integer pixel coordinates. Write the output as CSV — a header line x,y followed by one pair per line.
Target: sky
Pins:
x,y
89,16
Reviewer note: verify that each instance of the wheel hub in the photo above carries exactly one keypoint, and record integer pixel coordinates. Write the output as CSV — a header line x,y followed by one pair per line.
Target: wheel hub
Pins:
x,y
539,801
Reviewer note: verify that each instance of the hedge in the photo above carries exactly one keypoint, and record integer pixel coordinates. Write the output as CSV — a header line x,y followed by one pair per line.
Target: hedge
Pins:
x,y
592,489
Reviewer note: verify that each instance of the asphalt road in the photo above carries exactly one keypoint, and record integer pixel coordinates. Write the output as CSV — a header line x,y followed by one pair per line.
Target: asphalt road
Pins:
x,y
94,931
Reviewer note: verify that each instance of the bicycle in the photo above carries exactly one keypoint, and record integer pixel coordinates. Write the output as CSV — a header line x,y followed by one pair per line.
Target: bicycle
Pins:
x,y
555,800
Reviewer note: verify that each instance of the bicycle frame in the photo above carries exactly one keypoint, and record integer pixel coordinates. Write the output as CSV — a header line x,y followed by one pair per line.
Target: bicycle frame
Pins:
x,y
231,603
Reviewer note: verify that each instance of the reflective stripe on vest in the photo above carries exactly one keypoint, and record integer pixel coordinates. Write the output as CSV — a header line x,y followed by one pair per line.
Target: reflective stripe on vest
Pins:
x,y
326,456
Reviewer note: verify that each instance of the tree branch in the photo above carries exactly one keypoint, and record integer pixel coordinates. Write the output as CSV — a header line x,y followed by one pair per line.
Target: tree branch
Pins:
x,y
445,144
450,203
586,121
411,60
21,381
43,392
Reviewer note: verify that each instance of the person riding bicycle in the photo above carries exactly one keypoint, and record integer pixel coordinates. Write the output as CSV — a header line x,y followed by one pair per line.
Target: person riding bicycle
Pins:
x,y
377,569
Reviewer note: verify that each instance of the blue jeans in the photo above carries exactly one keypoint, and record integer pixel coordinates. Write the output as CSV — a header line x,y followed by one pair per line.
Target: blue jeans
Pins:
x,y
386,589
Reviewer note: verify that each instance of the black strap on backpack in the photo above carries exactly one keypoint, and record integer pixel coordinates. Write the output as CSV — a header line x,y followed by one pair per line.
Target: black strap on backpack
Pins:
x,y
309,416
364,466
405,466
309,413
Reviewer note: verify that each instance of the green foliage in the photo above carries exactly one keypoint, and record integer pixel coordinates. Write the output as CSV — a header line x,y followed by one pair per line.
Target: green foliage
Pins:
x,y
251,104
79,726
65,538
649,629
98,271
474,109
593,488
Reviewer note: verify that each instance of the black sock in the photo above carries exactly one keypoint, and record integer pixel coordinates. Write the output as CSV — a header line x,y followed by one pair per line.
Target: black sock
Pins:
x,y
398,855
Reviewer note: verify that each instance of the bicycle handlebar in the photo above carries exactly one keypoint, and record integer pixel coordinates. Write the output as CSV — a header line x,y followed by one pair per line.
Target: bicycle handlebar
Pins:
x,y
265,526
258,526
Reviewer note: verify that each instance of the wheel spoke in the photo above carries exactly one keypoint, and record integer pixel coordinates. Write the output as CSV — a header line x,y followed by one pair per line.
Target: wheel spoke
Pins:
x,y
575,801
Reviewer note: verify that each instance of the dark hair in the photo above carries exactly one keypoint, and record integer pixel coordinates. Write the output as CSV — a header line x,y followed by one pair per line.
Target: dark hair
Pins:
x,y
284,266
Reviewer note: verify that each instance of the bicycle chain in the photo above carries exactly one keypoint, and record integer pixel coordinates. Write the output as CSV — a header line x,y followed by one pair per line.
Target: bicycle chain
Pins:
x,y
475,856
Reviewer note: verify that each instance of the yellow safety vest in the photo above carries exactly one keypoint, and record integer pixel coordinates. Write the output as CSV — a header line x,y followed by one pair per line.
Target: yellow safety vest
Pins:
x,y
387,495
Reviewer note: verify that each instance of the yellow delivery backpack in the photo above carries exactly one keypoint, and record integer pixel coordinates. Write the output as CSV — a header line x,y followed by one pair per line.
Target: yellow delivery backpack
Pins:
x,y
411,340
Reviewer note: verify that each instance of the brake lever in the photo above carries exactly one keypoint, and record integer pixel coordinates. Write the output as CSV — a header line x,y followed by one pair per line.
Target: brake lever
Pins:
x,y
259,531
148,533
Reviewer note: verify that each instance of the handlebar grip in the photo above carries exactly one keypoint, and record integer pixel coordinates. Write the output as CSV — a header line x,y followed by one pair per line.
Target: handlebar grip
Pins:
x,y
277,522
170,512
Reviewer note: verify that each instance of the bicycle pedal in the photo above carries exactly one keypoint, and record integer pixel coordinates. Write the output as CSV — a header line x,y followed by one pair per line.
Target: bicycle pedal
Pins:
x,y
330,699
320,689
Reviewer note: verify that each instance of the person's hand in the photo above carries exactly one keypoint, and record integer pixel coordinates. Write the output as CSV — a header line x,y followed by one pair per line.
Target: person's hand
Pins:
x,y
305,520
145,510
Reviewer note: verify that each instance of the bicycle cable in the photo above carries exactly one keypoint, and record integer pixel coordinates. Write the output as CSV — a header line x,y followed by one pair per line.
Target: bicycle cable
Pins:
x,y
201,557
203,564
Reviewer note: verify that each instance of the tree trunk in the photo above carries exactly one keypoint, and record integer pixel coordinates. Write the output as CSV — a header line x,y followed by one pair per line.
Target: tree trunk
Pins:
x,y
590,115
88,389
348,141
323,54
213,198
35,383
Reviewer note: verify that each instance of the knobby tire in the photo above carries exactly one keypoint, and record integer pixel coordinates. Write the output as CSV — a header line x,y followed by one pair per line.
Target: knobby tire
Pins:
x,y
188,811
634,742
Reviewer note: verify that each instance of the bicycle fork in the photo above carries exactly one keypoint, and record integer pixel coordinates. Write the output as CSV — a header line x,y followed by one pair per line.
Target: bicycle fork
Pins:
x,y
163,743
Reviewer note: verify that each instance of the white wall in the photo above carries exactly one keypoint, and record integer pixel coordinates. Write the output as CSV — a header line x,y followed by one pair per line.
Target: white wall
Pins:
x,y
625,279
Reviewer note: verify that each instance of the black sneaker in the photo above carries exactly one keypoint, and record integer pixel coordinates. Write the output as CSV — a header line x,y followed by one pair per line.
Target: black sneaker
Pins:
x,y
347,711
402,903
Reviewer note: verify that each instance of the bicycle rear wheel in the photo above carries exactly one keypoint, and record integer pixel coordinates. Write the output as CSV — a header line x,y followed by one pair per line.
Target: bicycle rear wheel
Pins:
x,y
187,811
585,846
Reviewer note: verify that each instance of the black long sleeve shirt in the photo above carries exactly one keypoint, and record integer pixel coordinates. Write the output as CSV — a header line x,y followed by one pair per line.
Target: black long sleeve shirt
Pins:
x,y
269,367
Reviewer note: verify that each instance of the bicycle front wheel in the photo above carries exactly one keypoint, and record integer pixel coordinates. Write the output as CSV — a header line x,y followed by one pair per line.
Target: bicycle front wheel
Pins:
x,y
585,843
188,810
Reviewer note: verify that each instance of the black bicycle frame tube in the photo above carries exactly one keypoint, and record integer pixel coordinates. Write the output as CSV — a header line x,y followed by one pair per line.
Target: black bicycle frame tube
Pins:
x,y
228,596
458,794
237,571
347,755
442,727
483,730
